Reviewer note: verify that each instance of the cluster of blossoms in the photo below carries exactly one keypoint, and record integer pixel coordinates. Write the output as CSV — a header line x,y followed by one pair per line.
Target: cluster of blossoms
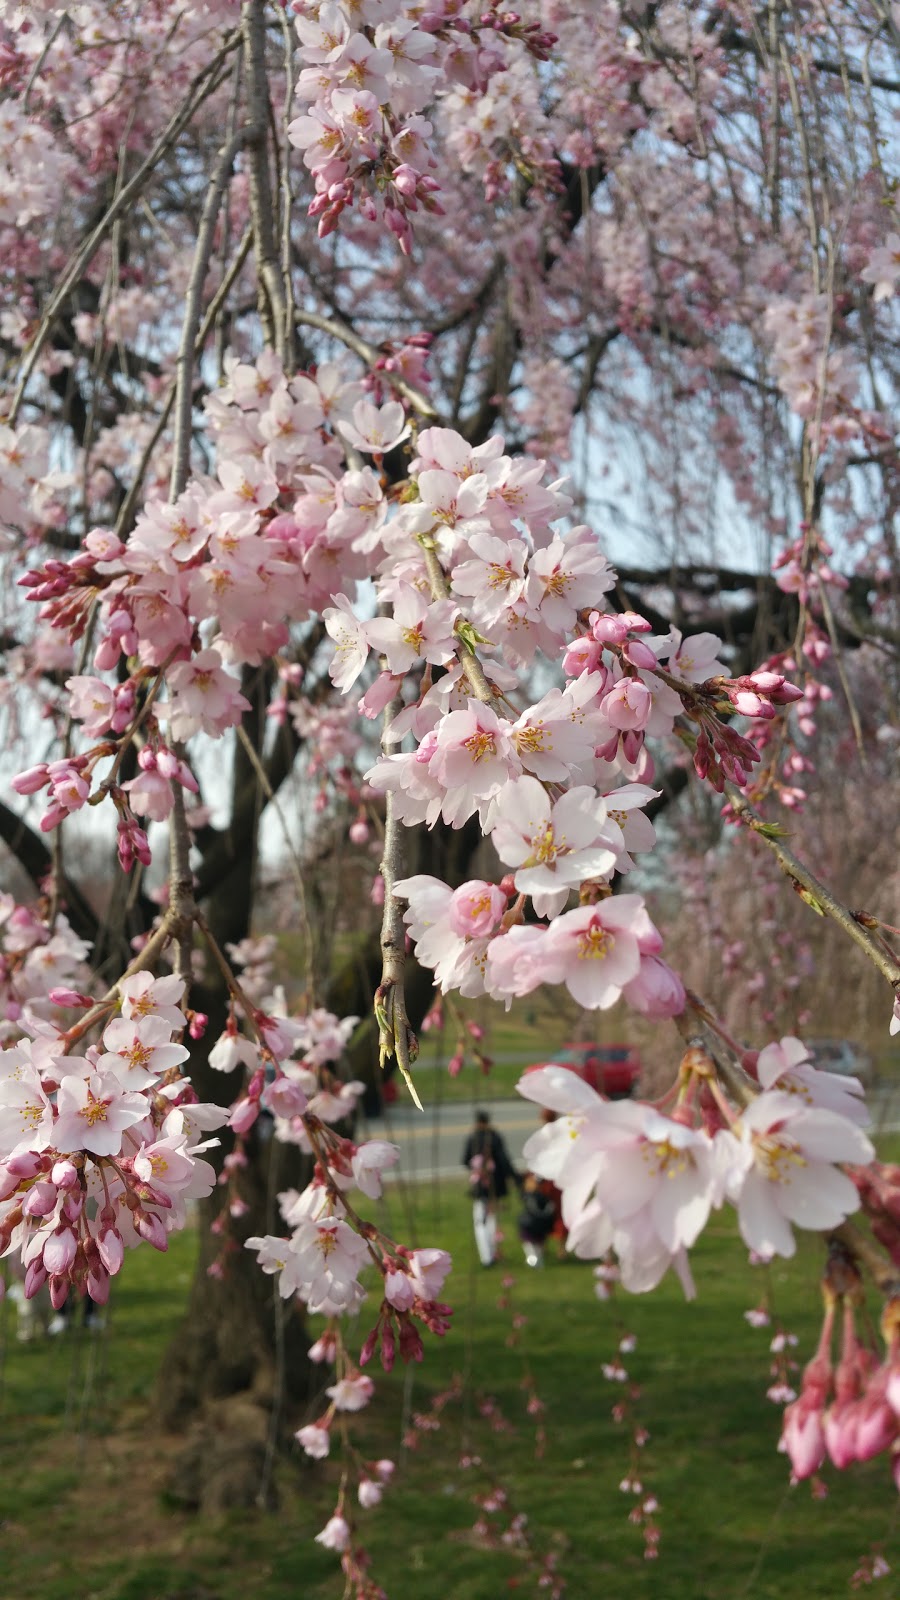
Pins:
x,y
329,1246
215,580
287,1090
642,1182
811,374
369,72
850,1412
547,783
33,168
26,485
40,967
99,1151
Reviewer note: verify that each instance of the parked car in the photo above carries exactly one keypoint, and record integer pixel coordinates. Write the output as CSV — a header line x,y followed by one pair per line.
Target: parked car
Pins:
x,y
842,1056
611,1069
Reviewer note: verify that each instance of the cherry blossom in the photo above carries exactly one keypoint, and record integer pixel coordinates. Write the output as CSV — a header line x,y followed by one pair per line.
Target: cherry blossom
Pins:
x,y
553,847
789,1154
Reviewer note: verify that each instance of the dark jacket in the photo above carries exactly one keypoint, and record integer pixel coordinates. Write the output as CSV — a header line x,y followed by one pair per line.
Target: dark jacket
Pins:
x,y
490,1169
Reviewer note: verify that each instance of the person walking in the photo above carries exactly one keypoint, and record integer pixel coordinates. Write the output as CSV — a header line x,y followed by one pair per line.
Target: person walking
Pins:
x,y
490,1170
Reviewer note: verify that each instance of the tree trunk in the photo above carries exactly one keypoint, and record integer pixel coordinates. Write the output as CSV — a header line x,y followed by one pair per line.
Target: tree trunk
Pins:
x,y
236,1374
233,1381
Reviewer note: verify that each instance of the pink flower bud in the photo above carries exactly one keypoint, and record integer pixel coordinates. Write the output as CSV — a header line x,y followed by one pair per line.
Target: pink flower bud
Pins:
x,y
608,629
370,1345
31,780
106,655
59,1292
98,1285
197,1024
640,654
24,1165
59,1251
35,1278
243,1116
405,179
152,1229
69,997
40,1200
749,704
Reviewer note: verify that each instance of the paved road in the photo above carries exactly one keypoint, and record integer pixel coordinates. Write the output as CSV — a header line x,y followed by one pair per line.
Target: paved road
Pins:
x,y
431,1144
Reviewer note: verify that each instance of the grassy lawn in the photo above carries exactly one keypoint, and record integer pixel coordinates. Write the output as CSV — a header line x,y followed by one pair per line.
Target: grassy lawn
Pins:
x,y
84,1518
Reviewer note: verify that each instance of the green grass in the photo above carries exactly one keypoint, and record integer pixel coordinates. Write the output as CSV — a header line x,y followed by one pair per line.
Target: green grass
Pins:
x,y
83,1465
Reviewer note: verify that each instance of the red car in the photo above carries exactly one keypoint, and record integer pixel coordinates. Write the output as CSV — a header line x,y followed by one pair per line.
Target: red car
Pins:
x,y
611,1069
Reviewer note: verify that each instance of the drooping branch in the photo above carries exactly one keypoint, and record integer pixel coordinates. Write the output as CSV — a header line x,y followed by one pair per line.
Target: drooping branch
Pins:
x,y
184,366
367,352
202,86
272,298
395,1036
815,893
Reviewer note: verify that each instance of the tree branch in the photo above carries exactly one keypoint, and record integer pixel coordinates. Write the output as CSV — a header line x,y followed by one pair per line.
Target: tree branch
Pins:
x,y
814,892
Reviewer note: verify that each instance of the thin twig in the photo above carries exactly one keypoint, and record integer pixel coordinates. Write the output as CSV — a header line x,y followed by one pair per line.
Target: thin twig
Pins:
x,y
370,354
49,42
815,892
395,1037
202,86
184,365
473,671
287,198
695,1026
123,521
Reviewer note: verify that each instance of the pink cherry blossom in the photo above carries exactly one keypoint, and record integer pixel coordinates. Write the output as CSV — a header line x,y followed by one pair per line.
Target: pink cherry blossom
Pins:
x,y
376,428
788,1172
316,1441
94,1112
553,846
596,949
351,640
202,695
418,631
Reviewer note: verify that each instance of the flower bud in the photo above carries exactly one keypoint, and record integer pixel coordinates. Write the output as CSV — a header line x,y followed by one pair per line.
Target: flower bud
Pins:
x,y
59,1251
35,1278
98,1285
59,1291
40,1200
152,1229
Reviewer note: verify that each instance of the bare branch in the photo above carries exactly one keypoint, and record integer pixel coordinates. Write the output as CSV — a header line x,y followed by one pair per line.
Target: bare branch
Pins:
x,y
184,365
253,29
202,86
368,353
